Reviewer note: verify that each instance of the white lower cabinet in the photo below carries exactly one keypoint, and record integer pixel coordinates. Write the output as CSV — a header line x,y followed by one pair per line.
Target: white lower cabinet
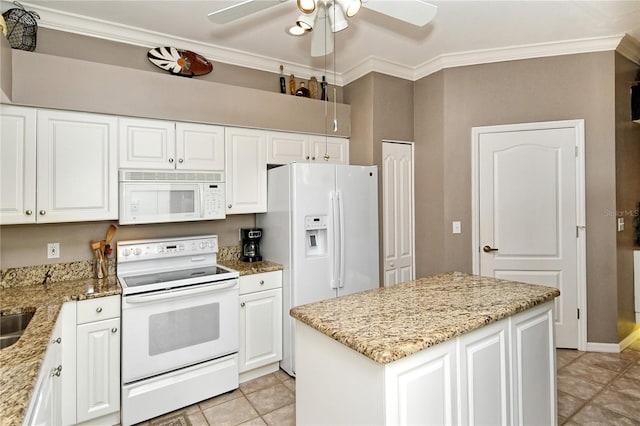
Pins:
x,y
500,374
260,324
98,360
45,407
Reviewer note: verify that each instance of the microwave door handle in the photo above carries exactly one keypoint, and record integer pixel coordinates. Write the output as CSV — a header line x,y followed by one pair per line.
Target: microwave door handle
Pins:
x,y
179,293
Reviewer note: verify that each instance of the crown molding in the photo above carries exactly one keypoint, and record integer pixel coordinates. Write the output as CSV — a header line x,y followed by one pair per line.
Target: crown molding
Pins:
x,y
92,27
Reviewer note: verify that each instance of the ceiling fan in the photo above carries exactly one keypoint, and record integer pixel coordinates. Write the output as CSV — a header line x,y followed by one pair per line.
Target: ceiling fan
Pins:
x,y
322,18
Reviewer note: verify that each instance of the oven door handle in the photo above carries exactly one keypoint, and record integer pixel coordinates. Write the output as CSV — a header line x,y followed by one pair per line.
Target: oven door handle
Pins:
x,y
179,293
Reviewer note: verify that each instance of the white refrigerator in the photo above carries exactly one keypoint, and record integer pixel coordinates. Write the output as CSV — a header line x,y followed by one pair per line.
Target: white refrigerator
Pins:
x,y
322,225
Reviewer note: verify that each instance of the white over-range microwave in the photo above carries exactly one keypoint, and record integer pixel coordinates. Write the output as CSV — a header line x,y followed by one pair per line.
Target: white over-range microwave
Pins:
x,y
153,196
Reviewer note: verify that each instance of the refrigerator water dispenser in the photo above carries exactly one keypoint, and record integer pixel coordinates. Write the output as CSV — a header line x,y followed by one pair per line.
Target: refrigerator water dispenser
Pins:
x,y
316,235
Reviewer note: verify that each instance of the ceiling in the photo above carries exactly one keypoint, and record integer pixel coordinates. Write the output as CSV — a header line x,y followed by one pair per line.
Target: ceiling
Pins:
x,y
463,32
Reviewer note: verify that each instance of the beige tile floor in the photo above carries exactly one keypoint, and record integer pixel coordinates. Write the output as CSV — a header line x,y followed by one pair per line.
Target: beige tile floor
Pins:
x,y
593,389
599,388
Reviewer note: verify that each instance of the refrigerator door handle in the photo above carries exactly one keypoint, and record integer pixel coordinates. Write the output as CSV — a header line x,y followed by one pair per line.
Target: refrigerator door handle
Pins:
x,y
341,241
335,255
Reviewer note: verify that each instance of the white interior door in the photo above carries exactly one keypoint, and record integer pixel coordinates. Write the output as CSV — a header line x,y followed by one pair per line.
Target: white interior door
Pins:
x,y
528,211
398,217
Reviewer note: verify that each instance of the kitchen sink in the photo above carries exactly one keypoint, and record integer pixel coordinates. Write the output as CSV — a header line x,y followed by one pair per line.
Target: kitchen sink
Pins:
x,y
12,326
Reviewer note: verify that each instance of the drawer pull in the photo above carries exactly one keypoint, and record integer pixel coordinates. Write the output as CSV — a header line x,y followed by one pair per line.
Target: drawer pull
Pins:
x,y
242,304
114,330
261,282
99,309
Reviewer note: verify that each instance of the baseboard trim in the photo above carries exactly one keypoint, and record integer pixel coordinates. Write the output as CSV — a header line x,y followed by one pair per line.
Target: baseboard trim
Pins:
x,y
614,347
603,347
629,339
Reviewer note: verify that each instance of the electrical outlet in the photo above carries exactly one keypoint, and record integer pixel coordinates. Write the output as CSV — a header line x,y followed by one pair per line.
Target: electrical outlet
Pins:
x,y
53,251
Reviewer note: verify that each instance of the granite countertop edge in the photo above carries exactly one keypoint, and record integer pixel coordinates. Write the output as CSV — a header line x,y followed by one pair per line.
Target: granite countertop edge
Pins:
x,y
419,314
250,268
20,363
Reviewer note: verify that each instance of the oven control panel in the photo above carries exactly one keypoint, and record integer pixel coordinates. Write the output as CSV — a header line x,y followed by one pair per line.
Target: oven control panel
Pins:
x,y
161,249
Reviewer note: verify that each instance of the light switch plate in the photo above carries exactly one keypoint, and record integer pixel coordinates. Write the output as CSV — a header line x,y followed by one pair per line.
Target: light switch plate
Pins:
x,y
620,224
456,227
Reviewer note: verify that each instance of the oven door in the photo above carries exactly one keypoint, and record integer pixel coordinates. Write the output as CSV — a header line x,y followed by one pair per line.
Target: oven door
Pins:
x,y
167,330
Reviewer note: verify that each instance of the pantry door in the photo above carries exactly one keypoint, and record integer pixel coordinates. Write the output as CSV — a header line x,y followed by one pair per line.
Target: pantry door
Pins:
x,y
397,212
530,210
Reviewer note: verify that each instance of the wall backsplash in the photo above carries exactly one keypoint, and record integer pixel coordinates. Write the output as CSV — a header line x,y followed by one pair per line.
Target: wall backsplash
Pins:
x,y
26,245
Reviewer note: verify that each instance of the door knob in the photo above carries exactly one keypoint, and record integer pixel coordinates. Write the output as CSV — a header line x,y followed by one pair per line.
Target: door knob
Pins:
x,y
488,249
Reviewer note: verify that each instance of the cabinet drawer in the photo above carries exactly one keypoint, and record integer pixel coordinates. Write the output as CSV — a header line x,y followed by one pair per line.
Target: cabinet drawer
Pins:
x,y
260,282
98,309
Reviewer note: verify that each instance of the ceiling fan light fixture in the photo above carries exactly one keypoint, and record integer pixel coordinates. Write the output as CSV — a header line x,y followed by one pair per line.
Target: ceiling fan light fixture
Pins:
x,y
307,21
336,18
350,7
307,6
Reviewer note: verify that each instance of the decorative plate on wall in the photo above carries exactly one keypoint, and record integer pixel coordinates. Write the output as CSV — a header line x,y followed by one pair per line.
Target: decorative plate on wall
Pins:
x,y
179,62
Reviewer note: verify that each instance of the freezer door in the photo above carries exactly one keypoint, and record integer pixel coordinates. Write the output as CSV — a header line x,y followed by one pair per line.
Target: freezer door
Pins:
x,y
312,245
357,187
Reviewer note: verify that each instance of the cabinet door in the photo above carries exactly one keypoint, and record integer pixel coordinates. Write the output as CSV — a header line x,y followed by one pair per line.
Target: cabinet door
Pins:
x,y
421,389
17,165
98,369
284,148
260,329
199,147
147,144
246,170
483,366
534,367
336,148
46,404
77,167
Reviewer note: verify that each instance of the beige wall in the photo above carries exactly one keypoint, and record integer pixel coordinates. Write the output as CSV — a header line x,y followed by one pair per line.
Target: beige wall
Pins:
x,y
627,152
546,89
26,245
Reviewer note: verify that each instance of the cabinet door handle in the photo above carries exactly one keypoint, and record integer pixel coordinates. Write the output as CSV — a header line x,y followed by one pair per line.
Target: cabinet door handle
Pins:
x,y
261,282
242,304
58,340
29,212
99,309
114,330
170,160
180,160
313,158
229,206
57,371
43,212
307,157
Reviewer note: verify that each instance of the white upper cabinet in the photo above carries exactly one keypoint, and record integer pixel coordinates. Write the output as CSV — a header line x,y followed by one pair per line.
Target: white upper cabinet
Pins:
x,y
336,148
167,145
246,170
147,144
199,146
17,165
76,177
284,148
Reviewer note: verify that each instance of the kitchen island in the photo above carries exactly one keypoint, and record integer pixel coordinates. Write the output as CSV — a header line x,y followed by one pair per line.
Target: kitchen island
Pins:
x,y
449,349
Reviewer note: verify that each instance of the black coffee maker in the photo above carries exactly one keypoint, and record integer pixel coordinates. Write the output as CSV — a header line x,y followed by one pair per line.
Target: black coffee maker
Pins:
x,y
251,244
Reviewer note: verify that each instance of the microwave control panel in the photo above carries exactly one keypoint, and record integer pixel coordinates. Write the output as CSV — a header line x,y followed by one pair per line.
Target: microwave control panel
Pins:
x,y
214,201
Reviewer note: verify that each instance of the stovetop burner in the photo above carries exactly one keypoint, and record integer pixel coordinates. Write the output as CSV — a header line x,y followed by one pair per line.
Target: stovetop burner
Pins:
x,y
172,276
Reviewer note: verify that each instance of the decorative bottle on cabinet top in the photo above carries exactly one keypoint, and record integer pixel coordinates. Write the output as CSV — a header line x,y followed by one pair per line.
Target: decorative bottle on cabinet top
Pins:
x,y
324,95
292,84
302,91
283,84
313,88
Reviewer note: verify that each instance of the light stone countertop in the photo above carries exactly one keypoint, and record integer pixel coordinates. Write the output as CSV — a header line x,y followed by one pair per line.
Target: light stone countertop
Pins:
x,y
20,362
249,268
390,323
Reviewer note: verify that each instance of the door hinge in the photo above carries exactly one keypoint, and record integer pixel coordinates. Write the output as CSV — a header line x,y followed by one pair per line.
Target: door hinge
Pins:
x,y
576,151
578,312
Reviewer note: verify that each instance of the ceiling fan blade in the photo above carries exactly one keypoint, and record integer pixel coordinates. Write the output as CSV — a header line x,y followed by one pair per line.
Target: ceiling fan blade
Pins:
x,y
415,12
241,10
